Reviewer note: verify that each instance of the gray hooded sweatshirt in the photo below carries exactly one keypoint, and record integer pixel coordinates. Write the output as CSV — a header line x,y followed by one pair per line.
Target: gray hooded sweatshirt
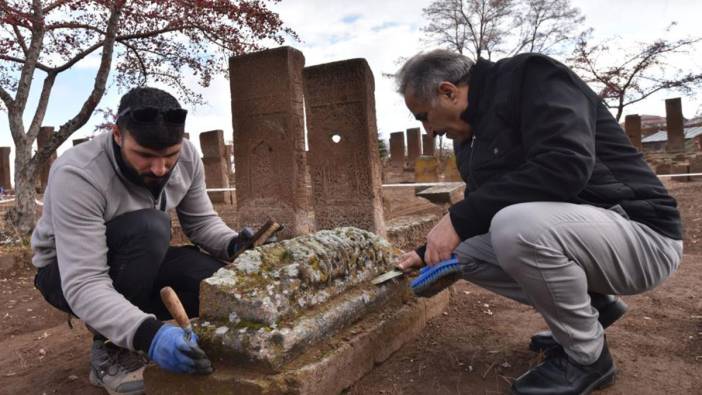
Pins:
x,y
86,190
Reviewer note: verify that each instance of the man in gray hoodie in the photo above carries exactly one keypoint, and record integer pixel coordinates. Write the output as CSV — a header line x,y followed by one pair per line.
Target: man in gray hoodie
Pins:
x,y
102,244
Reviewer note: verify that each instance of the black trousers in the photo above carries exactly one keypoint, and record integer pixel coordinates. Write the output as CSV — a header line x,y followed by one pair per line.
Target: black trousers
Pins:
x,y
141,262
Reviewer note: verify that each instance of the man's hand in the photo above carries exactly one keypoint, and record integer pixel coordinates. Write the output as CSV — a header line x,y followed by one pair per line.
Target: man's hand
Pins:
x,y
441,242
172,352
408,261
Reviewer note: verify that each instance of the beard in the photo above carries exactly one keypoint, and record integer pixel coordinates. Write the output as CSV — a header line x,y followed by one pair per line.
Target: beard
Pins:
x,y
148,180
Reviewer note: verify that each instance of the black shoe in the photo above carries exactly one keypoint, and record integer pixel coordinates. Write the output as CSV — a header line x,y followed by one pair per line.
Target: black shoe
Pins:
x,y
610,307
558,374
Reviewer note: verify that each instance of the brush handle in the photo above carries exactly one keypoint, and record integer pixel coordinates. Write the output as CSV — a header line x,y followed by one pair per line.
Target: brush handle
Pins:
x,y
172,302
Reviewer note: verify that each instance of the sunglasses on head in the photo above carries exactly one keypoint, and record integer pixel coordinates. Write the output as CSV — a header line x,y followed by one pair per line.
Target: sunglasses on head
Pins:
x,y
151,114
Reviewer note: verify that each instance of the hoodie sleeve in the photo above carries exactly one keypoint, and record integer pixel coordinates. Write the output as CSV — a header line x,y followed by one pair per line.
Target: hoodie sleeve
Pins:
x,y
197,216
77,208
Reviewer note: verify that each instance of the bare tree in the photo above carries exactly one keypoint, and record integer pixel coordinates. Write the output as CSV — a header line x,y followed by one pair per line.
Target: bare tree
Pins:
x,y
472,27
483,28
545,26
637,71
154,41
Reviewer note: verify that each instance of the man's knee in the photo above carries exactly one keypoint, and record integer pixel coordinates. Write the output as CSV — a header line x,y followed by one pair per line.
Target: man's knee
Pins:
x,y
515,230
146,231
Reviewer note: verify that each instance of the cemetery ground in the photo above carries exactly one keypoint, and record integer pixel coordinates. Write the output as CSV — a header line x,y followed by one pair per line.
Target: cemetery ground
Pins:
x,y
477,346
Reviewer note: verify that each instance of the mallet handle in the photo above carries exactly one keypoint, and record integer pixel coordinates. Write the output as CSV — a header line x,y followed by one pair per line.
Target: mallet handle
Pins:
x,y
172,302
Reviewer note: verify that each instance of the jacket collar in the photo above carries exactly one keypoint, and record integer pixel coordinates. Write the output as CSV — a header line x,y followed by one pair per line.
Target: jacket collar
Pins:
x,y
478,75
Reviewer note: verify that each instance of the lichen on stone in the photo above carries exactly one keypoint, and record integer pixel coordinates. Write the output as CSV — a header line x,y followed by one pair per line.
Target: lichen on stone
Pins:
x,y
280,281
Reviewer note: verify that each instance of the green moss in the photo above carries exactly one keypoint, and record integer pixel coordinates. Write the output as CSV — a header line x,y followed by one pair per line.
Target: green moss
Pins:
x,y
252,325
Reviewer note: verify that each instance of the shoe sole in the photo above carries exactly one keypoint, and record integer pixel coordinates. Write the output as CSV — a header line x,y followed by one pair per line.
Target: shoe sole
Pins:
x,y
614,312
605,381
94,380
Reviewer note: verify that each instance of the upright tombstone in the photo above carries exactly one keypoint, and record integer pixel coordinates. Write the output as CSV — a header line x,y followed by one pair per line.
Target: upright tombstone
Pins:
x,y
269,139
632,126
674,122
414,145
451,173
43,139
216,174
428,144
426,169
343,155
397,149
5,175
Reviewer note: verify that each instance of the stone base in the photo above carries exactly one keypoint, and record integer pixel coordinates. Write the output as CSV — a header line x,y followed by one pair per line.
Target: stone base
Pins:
x,y
326,369
408,232
444,194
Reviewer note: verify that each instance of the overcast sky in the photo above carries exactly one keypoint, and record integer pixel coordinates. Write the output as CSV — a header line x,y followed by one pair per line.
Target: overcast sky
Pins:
x,y
382,32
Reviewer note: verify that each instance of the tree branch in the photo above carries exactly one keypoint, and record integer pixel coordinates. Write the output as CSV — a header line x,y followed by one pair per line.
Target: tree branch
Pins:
x,y
53,6
39,114
99,44
20,40
30,64
7,99
100,81
142,66
38,65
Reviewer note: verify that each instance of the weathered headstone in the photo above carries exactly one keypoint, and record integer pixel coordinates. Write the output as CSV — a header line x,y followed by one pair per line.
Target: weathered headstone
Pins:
x,y
663,168
680,168
674,122
428,145
451,170
43,139
698,143
696,167
632,126
5,175
216,174
228,157
397,149
444,193
269,141
426,169
212,144
301,317
343,155
414,145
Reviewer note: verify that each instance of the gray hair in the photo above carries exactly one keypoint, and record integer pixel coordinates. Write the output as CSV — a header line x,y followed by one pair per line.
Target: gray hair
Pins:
x,y
426,70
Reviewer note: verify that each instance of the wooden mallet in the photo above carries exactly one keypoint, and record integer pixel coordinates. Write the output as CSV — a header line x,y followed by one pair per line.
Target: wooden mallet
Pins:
x,y
172,302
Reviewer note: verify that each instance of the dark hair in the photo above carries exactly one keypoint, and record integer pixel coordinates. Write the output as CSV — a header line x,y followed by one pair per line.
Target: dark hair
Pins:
x,y
158,135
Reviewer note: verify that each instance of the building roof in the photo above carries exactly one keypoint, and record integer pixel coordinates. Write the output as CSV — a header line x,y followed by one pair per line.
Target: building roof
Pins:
x,y
662,135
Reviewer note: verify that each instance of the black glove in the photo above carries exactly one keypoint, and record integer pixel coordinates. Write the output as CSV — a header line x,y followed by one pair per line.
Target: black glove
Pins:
x,y
243,241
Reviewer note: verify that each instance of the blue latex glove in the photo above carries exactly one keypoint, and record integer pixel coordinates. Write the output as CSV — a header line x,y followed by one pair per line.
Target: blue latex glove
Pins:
x,y
170,350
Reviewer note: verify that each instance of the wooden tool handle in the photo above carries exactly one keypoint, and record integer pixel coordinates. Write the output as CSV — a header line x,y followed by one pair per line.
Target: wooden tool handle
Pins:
x,y
265,234
172,302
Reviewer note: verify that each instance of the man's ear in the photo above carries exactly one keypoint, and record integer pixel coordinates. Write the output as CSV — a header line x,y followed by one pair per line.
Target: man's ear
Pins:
x,y
116,134
448,89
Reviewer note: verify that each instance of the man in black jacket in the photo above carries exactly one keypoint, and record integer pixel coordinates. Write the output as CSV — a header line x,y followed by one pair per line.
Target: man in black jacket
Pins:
x,y
560,212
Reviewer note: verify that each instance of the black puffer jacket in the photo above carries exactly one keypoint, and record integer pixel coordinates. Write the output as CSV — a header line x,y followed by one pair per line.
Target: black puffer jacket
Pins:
x,y
541,134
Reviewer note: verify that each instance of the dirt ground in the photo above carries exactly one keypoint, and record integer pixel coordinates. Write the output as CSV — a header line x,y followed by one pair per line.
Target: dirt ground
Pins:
x,y
477,347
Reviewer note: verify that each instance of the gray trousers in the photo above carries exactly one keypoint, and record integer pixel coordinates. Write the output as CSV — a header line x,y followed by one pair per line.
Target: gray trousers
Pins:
x,y
550,255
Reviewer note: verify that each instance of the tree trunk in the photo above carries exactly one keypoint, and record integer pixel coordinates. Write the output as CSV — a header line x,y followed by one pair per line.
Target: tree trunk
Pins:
x,y
23,215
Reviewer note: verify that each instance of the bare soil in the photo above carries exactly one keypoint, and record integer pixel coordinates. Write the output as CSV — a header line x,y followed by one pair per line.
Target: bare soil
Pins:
x,y
477,346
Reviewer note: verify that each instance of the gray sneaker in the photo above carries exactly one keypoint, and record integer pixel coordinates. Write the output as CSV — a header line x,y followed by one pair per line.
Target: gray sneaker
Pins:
x,y
117,370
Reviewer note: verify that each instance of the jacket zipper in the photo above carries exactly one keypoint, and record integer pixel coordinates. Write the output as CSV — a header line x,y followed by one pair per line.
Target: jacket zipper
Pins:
x,y
471,181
